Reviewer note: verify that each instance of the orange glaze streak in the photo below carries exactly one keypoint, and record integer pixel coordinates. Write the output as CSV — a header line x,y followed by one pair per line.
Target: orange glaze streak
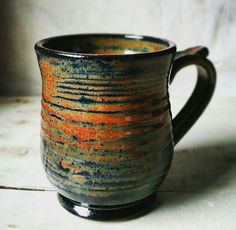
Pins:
x,y
78,178
88,146
116,159
83,146
107,133
49,81
127,43
73,168
105,159
83,134
116,147
106,51
97,118
66,164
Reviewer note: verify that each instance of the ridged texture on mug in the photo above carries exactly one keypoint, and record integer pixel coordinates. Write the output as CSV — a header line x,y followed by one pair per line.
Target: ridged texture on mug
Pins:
x,y
106,127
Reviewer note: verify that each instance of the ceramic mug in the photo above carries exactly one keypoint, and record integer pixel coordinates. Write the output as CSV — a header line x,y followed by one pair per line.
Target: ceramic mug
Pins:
x,y
107,135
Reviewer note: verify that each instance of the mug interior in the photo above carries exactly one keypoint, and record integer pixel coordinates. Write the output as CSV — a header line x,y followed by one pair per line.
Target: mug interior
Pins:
x,y
105,44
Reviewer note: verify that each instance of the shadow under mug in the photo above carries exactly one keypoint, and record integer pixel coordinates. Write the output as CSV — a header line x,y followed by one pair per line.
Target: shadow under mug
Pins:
x,y
107,135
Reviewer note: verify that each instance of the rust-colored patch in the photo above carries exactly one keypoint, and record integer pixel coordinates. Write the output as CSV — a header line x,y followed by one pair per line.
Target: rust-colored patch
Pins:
x,y
97,118
66,164
98,133
49,81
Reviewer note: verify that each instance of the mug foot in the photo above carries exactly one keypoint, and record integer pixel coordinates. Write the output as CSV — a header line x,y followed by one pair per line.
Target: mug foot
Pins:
x,y
98,212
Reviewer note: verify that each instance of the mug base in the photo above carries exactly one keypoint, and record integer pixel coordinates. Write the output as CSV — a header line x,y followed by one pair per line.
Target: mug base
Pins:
x,y
99,212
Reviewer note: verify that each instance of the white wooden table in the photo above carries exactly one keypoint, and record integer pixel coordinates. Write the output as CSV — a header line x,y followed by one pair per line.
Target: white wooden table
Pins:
x,y
199,192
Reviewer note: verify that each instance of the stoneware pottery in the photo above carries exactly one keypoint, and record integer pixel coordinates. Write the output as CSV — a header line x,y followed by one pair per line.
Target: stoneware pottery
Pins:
x,y
107,134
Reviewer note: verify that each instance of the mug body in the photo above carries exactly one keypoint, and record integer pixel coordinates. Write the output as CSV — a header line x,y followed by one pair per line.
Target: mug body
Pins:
x,y
106,132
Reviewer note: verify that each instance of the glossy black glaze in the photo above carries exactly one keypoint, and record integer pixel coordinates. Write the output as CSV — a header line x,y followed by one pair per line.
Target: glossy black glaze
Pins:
x,y
63,46
203,90
97,212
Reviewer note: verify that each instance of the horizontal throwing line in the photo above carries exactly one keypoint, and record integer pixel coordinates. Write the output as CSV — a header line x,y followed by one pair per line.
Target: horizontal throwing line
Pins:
x,y
101,151
143,125
122,112
88,186
109,161
88,100
111,74
111,89
102,92
128,82
114,99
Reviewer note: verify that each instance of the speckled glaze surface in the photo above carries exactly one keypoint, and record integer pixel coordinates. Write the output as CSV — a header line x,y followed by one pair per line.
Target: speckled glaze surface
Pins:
x,y
106,124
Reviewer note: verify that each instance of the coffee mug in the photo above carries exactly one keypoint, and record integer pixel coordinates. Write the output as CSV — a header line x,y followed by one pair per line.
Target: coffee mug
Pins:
x,y
107,135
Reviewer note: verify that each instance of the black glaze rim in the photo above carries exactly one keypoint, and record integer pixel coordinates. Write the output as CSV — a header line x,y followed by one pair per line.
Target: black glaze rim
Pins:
x,y
106,213
170,46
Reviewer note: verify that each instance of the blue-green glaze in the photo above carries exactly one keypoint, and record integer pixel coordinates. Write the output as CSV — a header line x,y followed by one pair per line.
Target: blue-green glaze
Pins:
x,y
106,123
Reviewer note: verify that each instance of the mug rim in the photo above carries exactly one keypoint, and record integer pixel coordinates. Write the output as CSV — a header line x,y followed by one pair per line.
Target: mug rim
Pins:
x,y
170,45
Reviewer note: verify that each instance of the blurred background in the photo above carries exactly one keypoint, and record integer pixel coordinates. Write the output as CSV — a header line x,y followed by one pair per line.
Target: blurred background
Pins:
x,y
211,23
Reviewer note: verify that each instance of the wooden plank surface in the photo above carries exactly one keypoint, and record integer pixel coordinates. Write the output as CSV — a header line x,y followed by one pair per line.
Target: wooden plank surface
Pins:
x,y
40,210
20,164
198,193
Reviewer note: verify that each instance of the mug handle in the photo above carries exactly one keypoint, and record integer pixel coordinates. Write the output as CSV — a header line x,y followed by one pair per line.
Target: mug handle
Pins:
x,y
202,92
